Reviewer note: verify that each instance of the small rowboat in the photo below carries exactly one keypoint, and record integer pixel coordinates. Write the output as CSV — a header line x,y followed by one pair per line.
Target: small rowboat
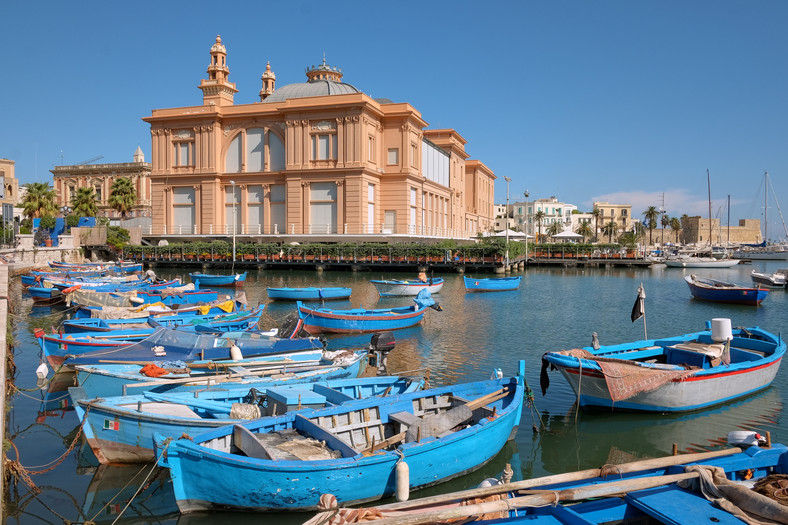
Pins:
x,y
136,417
723,292
673,374
309,294
44,295
777,279
322,320
366,447
209,280
407,287
492,284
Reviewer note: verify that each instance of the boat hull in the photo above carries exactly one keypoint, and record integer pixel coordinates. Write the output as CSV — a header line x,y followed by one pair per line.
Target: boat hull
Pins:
x,y
709,262
407,288
499,284
308,294
734,295
226,281
322,320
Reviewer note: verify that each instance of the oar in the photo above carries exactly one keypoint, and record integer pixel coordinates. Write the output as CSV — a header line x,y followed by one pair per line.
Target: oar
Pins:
x,y
623,468
546,498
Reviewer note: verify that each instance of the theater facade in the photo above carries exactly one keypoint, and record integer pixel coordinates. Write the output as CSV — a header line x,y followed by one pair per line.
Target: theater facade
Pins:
x,y
318,159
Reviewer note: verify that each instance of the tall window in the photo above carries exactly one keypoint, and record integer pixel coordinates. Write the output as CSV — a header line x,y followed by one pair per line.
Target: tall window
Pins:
x,y
255,149
413,152
323,207
324,147
371,149
277,202
370,208
183,209
232,162
232,210
393,157
254,208
276,152
412,220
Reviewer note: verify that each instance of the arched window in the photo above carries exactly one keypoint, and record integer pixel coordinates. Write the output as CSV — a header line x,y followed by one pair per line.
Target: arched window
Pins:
x,y
276,151
232,162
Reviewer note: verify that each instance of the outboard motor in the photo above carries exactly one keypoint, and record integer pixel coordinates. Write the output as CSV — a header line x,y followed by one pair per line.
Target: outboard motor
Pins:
x,y
379,347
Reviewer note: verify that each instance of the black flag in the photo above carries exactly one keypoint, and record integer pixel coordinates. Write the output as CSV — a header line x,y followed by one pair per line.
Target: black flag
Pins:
x,y
638,309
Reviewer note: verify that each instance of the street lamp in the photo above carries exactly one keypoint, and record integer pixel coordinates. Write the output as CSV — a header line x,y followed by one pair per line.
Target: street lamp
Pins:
x,y
508,180
526,225
234,220
662,227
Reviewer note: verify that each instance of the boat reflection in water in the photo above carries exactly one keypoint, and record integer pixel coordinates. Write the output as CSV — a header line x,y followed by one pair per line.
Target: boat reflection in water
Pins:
x,y
597,439
56,401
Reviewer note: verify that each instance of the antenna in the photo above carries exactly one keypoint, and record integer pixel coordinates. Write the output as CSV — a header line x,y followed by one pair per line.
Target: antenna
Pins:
x,y
90,161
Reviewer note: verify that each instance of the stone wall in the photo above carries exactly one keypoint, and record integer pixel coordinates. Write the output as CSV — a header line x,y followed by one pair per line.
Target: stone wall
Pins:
x,y
695,230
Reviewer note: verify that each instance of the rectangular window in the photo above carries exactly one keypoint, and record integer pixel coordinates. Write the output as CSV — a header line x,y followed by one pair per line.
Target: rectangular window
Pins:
x,y
183,209
371,149
278,215
232,212
324,147
184,154
255,147
413,152
393,158
371,208
254,207
323,207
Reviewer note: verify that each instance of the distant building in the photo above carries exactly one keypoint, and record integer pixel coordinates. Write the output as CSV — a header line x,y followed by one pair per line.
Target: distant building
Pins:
x,y
68,179
312,158
620,214
9,189
554,211
696,230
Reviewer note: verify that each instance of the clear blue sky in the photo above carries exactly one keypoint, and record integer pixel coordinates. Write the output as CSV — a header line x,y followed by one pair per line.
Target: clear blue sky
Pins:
x,y
616,100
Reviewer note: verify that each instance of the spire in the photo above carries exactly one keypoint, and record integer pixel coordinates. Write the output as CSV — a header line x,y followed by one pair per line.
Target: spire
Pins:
x,y
269,81
217,89
138,155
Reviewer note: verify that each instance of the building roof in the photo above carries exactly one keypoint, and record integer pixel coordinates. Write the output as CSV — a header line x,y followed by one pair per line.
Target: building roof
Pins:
x,y
322,80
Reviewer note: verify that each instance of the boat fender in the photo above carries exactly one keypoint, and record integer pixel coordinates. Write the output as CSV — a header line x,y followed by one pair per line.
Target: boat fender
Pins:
x,y
746,438
42,371
235,353
488,482
497,374
403,480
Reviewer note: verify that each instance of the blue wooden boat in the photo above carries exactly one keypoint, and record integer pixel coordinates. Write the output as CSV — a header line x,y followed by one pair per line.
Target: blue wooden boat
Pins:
x,y
660,490
722,292
42,294
437,433
308,293
680,373
159,296
136,417
225,322
492,284
213,280
407,287
320,320
217,307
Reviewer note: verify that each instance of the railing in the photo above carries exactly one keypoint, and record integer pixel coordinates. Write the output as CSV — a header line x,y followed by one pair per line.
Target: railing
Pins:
x,y
377,229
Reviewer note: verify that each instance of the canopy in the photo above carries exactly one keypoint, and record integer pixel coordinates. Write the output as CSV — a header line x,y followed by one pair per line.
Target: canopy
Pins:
x,y
512,234
567,235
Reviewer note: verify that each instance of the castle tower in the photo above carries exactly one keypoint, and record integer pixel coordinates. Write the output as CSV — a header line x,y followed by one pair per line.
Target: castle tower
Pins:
x,y
217,89
269,82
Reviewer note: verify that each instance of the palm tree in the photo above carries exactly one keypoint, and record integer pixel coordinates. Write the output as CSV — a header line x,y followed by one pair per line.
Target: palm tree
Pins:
x,y
123,196
610,229
539,217
39,200
675,225
596,213
651,215
84,203
584,229
554,229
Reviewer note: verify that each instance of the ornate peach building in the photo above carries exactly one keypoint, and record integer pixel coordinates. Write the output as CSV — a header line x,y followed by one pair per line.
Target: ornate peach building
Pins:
x,y
314,158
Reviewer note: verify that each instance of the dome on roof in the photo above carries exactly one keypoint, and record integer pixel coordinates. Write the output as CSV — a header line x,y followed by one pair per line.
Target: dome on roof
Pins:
x,y
218,45
322,80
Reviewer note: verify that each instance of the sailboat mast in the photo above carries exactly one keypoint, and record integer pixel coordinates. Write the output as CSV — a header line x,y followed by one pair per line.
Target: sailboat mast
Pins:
x,y
728,242
708,182
765,202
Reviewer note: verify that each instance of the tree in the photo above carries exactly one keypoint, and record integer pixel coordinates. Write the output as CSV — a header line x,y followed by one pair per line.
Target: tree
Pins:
x,y
651,215
675,225
539,217
596,213
554,229
584,229
123,196
610,229
39,200
84,203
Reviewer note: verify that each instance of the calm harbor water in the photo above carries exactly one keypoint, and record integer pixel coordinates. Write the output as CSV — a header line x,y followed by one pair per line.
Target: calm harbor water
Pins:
x,y
475,333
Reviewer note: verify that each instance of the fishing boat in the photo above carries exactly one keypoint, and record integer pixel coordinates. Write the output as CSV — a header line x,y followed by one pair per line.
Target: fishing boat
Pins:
x,y
730,486
225,322
358,452
674,374
218,307
724,292
492,284
308,293
136,417
693,261
45,295
212,280
407,287
320,320
777,279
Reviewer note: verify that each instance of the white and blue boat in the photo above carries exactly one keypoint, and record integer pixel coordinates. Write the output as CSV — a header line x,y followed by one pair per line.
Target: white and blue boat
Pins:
x,y
357,452
120,429
214,280
492,284
407,287
309,293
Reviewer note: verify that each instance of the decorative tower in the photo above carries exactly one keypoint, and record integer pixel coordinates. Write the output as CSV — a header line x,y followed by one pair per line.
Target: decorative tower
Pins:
x,y
324,72
139,156
217,89
269,82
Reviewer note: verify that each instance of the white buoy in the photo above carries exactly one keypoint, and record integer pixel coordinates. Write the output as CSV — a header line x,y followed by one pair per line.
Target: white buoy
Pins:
x,y
721,330
403,481
235,353
745,438
42,371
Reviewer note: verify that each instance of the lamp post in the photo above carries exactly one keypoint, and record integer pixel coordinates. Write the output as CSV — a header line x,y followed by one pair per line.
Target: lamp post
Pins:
x,y
508,180
526,225
662,227
234,220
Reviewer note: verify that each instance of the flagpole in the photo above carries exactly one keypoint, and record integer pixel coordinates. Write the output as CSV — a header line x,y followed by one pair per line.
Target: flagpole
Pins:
x,y
642,294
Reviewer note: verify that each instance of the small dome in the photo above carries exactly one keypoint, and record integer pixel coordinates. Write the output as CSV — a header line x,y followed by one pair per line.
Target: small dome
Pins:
x,y
268,73
322,80
218,45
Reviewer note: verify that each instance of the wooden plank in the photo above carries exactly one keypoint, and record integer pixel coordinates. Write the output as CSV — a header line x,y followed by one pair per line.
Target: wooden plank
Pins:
x,y
246,442
319,433
384,444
